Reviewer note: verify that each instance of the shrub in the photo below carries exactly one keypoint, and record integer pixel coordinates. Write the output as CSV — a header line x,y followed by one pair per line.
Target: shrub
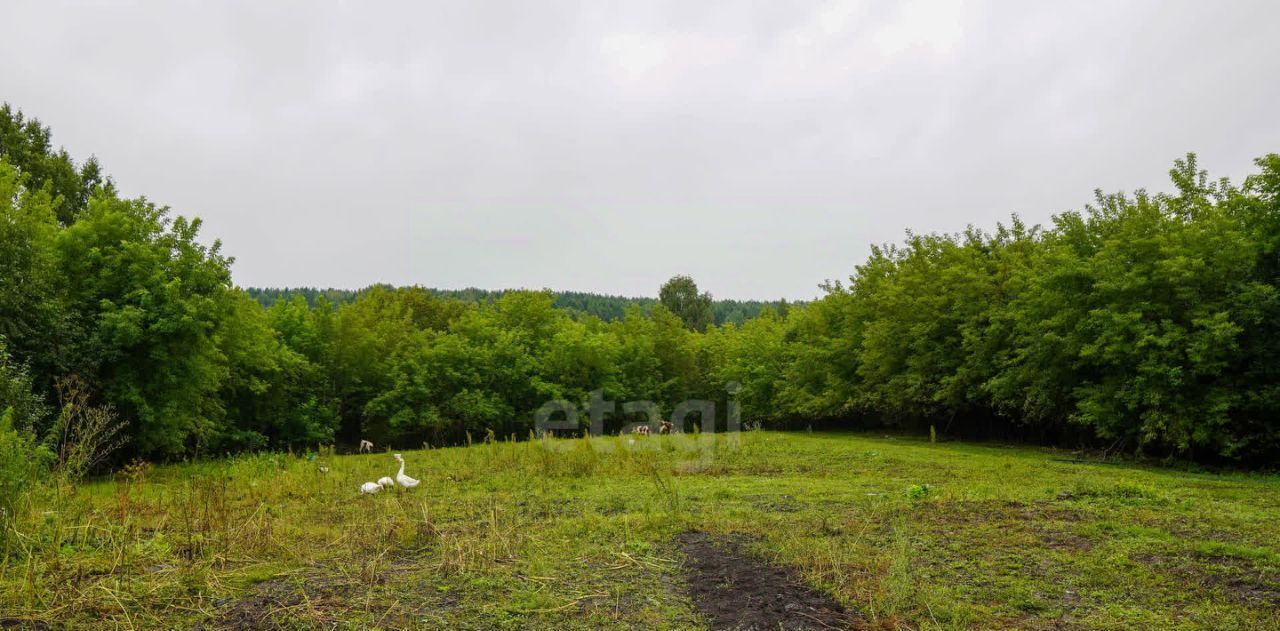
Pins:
x,y
23,464
17,396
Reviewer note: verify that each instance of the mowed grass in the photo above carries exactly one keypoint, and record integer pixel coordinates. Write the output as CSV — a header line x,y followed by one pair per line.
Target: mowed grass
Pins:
x,y
576,533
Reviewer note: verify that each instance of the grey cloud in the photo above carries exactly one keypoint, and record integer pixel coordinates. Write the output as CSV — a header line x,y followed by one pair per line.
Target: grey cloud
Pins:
x,y
760,147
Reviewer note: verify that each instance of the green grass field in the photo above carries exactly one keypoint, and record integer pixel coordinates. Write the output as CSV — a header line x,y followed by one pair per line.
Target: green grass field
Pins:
x,y
564,534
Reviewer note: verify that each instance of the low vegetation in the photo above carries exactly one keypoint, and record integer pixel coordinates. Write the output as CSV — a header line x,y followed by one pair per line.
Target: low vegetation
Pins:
x,y
592,533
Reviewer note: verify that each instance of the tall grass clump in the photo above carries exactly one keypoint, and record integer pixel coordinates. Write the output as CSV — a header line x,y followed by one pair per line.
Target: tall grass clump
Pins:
x,y
83,435
74,443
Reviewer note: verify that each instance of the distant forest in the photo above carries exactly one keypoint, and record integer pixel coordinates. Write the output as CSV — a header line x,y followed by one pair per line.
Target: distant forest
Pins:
x,y
606,307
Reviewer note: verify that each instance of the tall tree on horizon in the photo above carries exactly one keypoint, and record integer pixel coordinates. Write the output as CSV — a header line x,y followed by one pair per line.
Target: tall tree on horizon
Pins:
x,y
680,296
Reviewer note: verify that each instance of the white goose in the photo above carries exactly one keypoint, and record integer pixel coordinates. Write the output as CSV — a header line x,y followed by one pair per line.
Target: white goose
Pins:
x,y
386,482
369,488
404,480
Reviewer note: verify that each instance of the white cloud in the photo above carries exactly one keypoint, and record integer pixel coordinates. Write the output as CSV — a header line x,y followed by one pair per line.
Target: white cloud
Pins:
x,y
932,25
635,53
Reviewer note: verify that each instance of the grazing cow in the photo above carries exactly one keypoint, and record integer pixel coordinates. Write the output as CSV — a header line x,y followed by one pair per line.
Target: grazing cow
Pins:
x,y
640,430
665,428
366,446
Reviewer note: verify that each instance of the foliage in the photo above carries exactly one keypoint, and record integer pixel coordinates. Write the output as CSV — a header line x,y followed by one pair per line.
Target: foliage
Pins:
x,y
146,299
1137,323
26,144
605,307
23,462
272,394
31,310
26,407
680,296
1146,323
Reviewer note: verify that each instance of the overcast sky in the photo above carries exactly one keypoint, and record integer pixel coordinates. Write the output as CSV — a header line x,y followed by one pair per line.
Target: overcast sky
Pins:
x,y
760,147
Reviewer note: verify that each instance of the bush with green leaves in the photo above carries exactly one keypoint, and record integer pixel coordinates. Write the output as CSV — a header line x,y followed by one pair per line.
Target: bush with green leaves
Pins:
x,y
24,463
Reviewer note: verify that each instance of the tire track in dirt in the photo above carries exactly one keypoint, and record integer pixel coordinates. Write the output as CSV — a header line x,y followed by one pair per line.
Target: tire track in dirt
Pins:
x,y
735,590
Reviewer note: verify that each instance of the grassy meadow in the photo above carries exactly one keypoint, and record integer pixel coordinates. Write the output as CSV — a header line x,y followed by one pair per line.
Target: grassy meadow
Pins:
x,y
583,534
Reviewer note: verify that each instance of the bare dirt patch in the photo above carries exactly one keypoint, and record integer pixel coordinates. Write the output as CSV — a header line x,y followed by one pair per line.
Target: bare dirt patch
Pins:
x,y
735,590
1234,578
280,602
24,624
1045,523
314,599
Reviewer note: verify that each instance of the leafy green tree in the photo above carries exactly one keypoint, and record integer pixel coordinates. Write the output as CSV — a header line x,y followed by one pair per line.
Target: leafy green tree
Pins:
x,y
680,296
145,300
754,355
305,329
26,144
450,385
1254,372
1150,318
31,305
272,395
372,337
480,375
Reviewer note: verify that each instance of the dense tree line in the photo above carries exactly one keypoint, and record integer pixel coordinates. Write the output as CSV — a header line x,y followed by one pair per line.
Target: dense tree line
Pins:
x,y
605,307
1144,322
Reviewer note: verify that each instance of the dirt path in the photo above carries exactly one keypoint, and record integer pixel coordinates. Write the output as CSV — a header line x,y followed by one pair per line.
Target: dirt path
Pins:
x,y
737,591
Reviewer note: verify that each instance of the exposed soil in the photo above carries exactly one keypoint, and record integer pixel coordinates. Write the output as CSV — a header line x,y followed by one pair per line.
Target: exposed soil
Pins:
x,y
1051,525
735,590
263,606
315,599
1237,579
23,624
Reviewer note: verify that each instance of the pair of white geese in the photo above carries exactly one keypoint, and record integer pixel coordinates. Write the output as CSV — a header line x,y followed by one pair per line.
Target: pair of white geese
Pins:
x,y
369,488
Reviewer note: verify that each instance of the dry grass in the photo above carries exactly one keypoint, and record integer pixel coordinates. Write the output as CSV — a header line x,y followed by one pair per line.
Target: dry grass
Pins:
x,y
582,534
